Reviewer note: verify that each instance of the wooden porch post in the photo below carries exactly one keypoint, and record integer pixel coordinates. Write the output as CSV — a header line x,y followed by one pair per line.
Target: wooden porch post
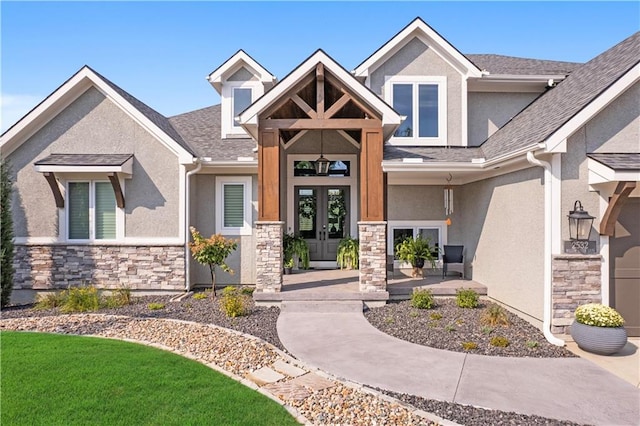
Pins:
x,y
268,175
371,176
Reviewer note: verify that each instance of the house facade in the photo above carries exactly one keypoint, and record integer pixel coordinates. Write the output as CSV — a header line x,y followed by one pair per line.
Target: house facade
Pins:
x,y
106,188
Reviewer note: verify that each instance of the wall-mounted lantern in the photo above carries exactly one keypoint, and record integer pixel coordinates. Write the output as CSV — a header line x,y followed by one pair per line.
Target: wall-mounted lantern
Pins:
x,y
580,223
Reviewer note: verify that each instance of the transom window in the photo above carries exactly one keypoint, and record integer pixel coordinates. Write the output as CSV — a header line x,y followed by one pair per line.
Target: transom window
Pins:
x,y
337,168
422,100
91,211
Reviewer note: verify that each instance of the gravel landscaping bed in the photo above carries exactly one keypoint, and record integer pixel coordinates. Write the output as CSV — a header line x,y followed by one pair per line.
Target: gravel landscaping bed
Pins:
x,y
260,323
457,326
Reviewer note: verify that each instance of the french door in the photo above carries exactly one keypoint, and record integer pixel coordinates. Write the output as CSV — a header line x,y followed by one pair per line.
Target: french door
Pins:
x,y
322,218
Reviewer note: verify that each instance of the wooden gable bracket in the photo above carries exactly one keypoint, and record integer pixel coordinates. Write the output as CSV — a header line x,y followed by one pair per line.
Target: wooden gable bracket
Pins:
x,y
610,217
117,189
320,90
53,183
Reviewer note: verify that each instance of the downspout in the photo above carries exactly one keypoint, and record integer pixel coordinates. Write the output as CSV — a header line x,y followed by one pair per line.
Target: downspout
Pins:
x,y
187,208
546,319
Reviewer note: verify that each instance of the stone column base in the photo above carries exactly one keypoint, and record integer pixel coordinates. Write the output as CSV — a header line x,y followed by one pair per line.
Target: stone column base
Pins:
x,y
373,256
576,281
269,256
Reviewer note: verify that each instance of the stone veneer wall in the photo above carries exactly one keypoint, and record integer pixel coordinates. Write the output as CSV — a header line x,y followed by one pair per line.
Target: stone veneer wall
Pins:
x,y
373,256
269,261
49,267
577,279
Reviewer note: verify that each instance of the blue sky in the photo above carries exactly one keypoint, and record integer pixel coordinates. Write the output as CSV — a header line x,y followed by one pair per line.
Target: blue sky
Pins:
x,y
161,52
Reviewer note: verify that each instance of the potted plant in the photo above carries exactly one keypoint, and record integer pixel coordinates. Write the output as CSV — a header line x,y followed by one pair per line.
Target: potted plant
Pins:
x,y
295,245
598,329
348,253
288,265
416,251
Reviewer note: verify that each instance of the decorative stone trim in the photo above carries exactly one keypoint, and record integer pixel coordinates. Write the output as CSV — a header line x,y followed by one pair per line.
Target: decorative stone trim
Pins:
x,y
58,266
576,281
269,261
373,256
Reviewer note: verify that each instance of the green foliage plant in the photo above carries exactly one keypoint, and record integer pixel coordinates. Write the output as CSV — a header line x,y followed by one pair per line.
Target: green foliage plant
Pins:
x,y
348,253
200,295
233,302
598,315
81,299
450,327
495,315
415,251
422,299
486,330
469,346
436,316
295,245
247,291
155,306
499,341
212,251
466,298
6,235
414,314
532,344
50,300
118,298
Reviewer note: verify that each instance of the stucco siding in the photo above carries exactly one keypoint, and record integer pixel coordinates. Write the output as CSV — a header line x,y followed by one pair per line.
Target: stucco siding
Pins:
x,y
502,224
418,59
203,215
616,129
415,202
490,111
93,124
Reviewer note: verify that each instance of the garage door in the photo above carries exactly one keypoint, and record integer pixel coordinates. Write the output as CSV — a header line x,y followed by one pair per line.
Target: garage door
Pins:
x,y
624,275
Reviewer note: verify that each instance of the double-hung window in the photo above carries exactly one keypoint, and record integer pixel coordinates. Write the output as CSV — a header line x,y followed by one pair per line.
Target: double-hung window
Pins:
x,y
241,100
91,211
234,207
422,100
236,97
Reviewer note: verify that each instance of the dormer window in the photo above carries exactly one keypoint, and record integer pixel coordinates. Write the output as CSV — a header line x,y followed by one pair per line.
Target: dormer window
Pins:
x,y
241,99
422,100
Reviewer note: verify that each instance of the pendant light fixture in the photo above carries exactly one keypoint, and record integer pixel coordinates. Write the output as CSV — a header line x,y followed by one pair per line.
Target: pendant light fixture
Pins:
x,y
322,164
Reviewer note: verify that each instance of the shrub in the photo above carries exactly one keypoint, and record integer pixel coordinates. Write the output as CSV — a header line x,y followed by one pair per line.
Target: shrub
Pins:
x,y
119,297
233,303
467,298
532,344
469,346
422,299
486,330
247,291
81,299
436,316
6,235
598,315
50,300
499,341
201,295
155,306
495,315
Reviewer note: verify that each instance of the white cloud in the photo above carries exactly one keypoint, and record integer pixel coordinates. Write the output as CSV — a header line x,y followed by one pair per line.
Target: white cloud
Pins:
x,y
14,107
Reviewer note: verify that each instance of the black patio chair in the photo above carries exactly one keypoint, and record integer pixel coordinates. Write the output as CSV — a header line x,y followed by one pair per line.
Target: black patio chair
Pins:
x,y
453,259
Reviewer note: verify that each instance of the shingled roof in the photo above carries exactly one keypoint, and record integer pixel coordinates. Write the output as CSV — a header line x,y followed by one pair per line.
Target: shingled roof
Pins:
x,y
201,130
554,108
156,118
500,64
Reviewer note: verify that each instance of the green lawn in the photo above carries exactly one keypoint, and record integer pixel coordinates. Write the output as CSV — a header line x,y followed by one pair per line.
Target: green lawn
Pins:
x,y
50,379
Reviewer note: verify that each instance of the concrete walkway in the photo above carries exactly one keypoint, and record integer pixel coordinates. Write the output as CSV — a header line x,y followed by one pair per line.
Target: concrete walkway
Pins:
x,y
335,337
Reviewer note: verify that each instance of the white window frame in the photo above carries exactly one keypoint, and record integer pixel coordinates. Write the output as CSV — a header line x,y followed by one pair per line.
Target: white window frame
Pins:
x,y
64,230
441,82
416,225
247,183
227,127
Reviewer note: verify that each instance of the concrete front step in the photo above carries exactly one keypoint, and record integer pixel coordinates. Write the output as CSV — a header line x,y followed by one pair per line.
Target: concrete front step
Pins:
x,y
271,299
333,306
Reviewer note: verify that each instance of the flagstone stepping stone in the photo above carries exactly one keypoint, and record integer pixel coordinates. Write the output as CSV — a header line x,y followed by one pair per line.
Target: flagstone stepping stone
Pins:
x,y
288,391
313,382
264,375
287,369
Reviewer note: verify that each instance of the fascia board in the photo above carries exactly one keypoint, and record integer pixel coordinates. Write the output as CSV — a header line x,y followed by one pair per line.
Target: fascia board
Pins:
x,y
233,64
389,116
600,173
594,107
416,28
125,168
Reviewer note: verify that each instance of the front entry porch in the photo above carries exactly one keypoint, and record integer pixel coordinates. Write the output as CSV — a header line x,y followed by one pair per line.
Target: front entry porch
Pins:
x,y
337,285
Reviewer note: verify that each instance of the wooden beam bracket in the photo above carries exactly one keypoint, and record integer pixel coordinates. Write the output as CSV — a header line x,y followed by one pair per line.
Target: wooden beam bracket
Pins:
x,y
610,217
117,189
53,183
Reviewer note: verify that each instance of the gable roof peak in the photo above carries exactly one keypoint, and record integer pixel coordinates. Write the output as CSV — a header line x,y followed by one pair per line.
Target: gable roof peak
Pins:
x,y
420,29
233,64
